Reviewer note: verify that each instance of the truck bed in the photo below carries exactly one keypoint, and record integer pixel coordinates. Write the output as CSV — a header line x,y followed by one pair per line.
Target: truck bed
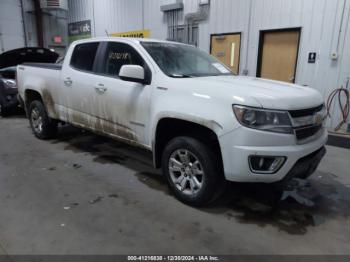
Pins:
x,y
43,78
45,65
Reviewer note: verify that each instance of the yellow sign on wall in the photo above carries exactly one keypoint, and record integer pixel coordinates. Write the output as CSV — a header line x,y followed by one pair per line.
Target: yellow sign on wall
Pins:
x,y
136,34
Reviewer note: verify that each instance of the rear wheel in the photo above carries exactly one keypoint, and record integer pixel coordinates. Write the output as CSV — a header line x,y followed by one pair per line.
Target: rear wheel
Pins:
x,y
192,170
42,125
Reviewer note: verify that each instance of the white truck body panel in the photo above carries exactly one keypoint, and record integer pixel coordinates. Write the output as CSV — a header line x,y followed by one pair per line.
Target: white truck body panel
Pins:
x,y
131,111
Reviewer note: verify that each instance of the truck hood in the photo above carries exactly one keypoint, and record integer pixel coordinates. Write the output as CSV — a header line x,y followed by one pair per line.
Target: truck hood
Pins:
x,y
257,92
26,55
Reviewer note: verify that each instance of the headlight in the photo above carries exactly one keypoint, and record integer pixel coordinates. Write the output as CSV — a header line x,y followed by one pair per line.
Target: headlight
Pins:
x,y
266,120
10,83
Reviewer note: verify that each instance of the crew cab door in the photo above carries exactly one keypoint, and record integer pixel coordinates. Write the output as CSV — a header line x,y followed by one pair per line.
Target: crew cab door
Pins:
x,y
77,95
123,106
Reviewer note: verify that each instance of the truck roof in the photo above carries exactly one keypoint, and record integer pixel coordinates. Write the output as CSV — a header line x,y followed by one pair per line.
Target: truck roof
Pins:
x,y
127,39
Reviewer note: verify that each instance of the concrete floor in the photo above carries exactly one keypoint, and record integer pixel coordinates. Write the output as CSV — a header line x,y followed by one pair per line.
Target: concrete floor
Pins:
x,y
83,194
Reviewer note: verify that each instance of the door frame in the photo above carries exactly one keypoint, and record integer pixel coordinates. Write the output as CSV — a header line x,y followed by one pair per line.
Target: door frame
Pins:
x,y
240,44
261,47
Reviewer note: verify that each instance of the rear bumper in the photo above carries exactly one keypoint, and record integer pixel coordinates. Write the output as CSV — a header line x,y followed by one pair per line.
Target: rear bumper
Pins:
x,y
301,160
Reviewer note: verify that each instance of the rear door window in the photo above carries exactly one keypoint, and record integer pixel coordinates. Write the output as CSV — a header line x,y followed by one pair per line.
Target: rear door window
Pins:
x,y
83,56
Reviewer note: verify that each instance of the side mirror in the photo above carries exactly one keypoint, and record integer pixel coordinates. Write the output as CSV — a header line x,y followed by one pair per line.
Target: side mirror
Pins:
x,y
133,73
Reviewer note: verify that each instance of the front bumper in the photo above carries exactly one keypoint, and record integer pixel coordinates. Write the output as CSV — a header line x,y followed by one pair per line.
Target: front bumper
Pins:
x,y
242,143
306,166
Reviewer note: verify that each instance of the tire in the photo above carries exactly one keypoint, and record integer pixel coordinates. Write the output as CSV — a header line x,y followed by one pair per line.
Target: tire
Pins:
x,y
3,110
193,171
42,125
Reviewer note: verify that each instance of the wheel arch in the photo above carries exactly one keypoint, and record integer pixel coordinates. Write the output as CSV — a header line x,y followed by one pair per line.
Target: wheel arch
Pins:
x,y
31,95
168,128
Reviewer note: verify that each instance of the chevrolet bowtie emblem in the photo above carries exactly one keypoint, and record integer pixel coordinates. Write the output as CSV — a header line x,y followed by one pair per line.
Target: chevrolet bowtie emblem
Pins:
x,y
319,119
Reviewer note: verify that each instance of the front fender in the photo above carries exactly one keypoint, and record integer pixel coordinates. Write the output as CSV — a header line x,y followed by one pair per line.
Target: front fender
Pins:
x,y
183,104
211,124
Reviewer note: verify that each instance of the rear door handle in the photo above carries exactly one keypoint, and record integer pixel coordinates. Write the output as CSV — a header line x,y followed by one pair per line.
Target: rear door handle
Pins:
x,y
68,81
100,88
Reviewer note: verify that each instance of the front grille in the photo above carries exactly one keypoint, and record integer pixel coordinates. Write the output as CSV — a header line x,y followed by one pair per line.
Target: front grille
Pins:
x,y
304,133
312,127
305,112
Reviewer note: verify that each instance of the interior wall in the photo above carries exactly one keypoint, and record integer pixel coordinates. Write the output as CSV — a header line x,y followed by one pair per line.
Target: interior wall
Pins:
x,y
18,29
154,19
81,10
117,16
324,29
108,15
30,22
11,25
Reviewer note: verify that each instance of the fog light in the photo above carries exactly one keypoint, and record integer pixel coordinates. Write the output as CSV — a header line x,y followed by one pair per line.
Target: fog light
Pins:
x,y
266,164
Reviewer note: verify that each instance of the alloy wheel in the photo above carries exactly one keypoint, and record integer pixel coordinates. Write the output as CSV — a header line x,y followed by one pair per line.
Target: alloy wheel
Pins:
x,y
37,121
186,172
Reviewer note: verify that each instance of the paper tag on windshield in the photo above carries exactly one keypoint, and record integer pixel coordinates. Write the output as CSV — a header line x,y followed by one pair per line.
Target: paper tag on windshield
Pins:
x,y
221,68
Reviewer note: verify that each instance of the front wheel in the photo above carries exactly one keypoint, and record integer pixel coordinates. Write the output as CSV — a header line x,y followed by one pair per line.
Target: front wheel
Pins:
x,y
193,171
42,125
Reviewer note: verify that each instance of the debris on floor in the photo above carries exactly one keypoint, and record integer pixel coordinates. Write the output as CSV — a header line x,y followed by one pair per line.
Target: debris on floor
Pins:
x,y
297,197
70,206
77,166
50,168
113,195
94,201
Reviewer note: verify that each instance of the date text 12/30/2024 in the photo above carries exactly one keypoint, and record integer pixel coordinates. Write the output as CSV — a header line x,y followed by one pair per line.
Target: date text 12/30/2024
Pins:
x,y
173,258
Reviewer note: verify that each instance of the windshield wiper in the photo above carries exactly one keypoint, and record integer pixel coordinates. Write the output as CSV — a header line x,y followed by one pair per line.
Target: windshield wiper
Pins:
x,y
180,76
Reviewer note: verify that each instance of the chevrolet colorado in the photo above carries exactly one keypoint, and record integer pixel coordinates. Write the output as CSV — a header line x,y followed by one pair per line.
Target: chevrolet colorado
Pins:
x,y
204,125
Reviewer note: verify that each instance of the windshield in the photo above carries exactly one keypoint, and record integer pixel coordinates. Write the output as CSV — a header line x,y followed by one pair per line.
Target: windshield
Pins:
x,y
177,60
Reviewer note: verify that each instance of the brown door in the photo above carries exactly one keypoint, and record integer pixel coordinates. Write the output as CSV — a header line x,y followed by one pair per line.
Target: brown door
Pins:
x,y
227,48
278,55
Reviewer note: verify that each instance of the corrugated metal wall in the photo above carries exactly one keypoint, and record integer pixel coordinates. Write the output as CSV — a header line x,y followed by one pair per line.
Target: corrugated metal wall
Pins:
x,y
324,25
11,28
108,15
117,16
13,35
80,10
154,19
325,28
30,23
55,24
322,32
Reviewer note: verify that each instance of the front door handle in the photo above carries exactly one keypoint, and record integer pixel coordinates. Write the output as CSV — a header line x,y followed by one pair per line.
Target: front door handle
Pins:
x,y
68,81
100,88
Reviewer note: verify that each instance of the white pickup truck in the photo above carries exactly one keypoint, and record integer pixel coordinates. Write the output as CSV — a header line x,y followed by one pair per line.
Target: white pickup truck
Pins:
x,y
204,125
